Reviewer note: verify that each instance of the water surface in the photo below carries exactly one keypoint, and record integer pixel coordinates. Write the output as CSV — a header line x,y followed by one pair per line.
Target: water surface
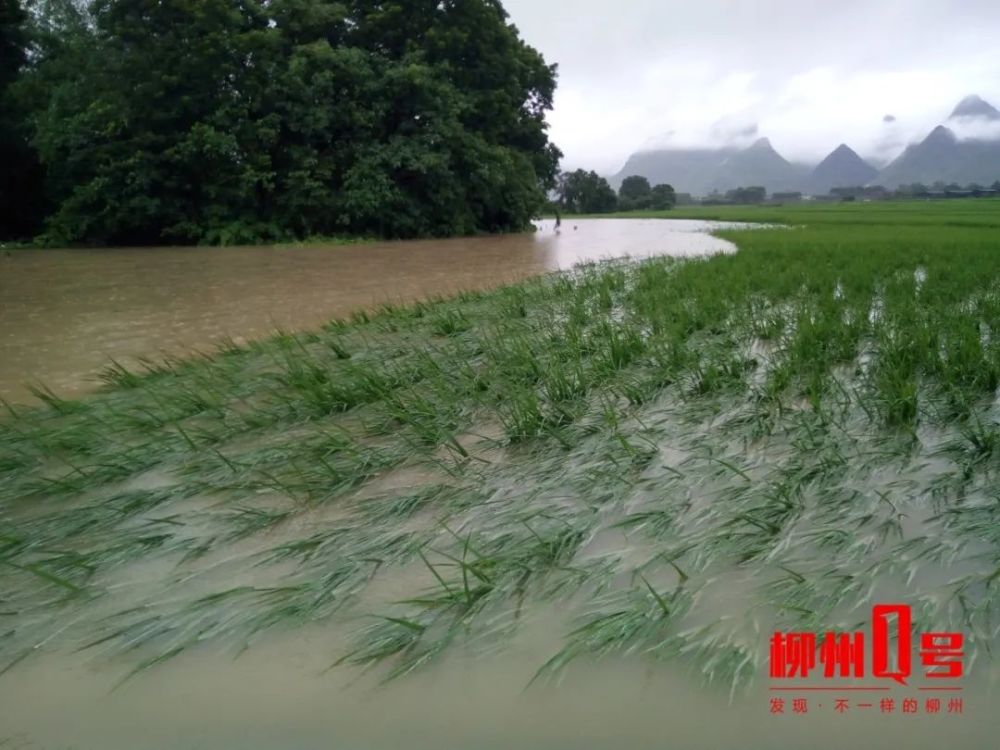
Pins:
x,y
65,313
279,693
276,695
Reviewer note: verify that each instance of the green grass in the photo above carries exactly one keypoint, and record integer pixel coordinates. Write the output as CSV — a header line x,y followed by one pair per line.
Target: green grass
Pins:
x,y
680,454
978,212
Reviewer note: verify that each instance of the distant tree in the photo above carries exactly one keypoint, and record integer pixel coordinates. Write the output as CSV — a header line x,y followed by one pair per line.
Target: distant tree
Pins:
x,y
662,197
634,194
753,194
585,192
685,199
845,193
787,197
995,185
874,192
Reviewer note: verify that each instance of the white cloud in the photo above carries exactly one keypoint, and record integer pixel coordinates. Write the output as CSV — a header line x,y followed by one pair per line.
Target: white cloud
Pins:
x,y
976,128
809,74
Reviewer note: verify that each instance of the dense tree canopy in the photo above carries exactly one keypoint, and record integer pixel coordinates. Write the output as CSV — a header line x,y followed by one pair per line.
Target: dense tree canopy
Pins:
x,y
634,193
229,121
585,192
21,202
13,41
753,194
662,197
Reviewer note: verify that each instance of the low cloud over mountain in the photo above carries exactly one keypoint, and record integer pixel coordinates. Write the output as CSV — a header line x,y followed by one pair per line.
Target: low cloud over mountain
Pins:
x,y
964,150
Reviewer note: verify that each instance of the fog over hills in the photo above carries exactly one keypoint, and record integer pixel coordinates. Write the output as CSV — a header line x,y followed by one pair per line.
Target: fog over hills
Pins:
x,y
688,170
973,106
759,164
964,150
842,168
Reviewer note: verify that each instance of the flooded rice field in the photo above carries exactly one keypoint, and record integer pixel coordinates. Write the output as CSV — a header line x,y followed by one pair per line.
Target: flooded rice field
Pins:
x,y
274,696
567,513
65,313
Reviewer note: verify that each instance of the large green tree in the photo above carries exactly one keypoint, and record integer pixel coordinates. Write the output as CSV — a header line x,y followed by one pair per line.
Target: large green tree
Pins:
x,y
662,197
241,120
634,193
753,194
21,201
585,192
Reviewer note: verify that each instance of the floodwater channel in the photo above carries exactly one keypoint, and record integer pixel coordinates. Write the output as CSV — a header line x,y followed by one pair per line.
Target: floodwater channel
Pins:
x,y
65,314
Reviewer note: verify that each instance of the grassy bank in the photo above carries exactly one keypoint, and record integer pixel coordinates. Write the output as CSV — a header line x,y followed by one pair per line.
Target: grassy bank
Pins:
x,y
979,212
682,455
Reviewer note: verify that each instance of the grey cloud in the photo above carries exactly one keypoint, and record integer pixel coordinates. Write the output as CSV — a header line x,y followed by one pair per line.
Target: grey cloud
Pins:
x,y
810,73
728,131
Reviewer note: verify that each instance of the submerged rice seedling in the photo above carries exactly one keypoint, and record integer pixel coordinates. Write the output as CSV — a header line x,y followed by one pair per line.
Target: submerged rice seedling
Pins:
x,y
664,450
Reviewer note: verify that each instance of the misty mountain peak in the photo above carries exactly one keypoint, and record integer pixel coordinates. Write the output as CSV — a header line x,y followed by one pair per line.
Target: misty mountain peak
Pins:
x,y
841,168
974,106
965,149
941,134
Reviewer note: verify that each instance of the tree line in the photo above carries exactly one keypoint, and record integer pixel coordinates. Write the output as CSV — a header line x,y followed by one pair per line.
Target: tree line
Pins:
x,y
584,192
232,121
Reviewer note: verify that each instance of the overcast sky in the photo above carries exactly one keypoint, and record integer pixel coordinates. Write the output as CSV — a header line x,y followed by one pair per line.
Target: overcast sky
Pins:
x,y
808,74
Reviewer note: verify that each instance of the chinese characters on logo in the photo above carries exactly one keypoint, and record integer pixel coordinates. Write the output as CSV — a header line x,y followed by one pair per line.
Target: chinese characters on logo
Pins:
x,y
843,656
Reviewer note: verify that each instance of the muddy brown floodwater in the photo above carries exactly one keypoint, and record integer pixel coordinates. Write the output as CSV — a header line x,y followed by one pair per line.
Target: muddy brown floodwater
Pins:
x,y
65,313
277,695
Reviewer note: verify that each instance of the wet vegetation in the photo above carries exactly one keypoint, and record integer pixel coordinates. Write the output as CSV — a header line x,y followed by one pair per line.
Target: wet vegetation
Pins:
x,y
681,455
291,119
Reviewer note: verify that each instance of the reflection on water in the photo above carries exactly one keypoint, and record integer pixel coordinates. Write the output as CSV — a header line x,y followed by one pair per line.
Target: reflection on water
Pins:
x,y
64,313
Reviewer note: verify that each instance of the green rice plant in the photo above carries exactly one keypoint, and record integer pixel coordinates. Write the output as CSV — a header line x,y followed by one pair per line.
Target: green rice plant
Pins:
x,y
979,441
520,412
322,390
755,531
898,399
670,450
338,348
511,359
450,322
117,375
59,405
249,521
404,506
563,382
514,304
227,347
616,346
624,622
433,422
